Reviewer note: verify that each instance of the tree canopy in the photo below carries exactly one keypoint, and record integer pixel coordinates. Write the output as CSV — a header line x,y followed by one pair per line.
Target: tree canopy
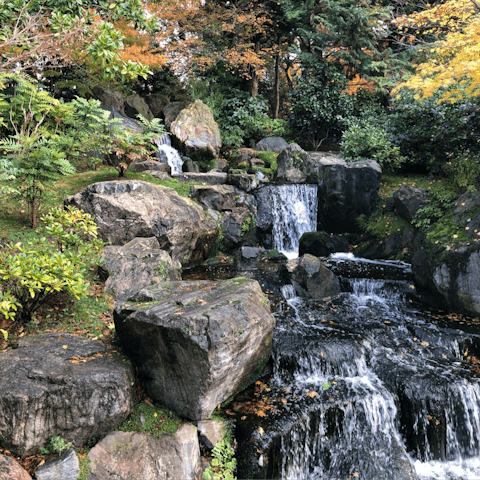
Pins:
x,y
448,35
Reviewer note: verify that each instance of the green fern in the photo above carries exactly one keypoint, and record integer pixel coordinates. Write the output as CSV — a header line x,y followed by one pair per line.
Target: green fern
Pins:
x,y
223,463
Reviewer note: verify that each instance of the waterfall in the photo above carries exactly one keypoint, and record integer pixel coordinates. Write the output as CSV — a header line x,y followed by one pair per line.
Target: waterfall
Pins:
x,y
167,154
366,386
294,212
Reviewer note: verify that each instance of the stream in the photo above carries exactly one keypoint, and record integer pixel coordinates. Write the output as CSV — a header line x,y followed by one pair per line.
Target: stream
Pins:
x,y
366,385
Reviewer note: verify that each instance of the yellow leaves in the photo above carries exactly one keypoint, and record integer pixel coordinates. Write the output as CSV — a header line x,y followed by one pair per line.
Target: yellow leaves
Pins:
x,y
312,394
454,60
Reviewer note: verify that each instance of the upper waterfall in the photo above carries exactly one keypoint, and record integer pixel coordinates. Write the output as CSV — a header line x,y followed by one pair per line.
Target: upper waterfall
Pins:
x,y
294,212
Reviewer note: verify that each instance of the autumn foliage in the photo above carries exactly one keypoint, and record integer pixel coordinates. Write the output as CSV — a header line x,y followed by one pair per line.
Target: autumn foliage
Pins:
x,y
450,35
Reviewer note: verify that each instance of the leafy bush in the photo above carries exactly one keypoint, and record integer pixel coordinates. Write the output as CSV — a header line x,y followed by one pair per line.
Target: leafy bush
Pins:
x,y
56,445
243,119
464,171
431,134
369,142
31,276
319,108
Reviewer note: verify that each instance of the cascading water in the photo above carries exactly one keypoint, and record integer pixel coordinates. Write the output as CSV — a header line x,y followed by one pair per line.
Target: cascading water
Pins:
x,y
366,387
167,154
294,212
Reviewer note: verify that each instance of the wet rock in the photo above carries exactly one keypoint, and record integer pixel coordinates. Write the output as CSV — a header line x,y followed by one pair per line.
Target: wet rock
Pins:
x,y
239,229
196,131
150,165
243,180
210,178
65,467
449,277
136,105
247,258
196,343
217,197
127,209
127,456
109,97
321,244
137,265
211,432
395,246
156,102
350,267
345,191
295,165
61,384
171,111
313,276
408,200
271,144
11,470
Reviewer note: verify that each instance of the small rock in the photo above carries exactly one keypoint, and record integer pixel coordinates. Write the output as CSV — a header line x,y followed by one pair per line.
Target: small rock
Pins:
x,y
135,456
211,432
11,470
64,467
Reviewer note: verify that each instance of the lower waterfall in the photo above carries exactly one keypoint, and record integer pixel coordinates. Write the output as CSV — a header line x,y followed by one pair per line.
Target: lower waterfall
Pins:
x,y
366,386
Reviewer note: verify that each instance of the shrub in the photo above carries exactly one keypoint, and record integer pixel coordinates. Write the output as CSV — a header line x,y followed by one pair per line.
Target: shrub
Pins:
x,y
431,134
369,142
31,276
319,107
243,119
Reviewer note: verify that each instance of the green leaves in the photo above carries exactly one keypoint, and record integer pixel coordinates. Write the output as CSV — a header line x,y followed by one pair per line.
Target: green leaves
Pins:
x,y
31,275
223,463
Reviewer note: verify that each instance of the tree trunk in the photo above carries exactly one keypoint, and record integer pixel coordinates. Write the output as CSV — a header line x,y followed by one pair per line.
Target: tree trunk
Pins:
x,y
276,104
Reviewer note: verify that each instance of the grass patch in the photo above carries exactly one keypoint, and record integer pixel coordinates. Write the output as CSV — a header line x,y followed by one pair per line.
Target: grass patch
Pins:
x,y
84,463
183,189
147,418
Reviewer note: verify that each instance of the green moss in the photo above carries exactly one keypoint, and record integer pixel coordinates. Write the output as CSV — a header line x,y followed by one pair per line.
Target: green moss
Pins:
x,y
84,463
150,419
183,189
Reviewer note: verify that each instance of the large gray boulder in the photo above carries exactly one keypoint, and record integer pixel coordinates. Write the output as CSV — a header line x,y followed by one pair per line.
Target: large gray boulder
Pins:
x,y
128,456
136,105
109,97
408,200
447,276
216,197
196,131
311,275
137,265
64,385
271,144
127,209
295,165
346,191
195,344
